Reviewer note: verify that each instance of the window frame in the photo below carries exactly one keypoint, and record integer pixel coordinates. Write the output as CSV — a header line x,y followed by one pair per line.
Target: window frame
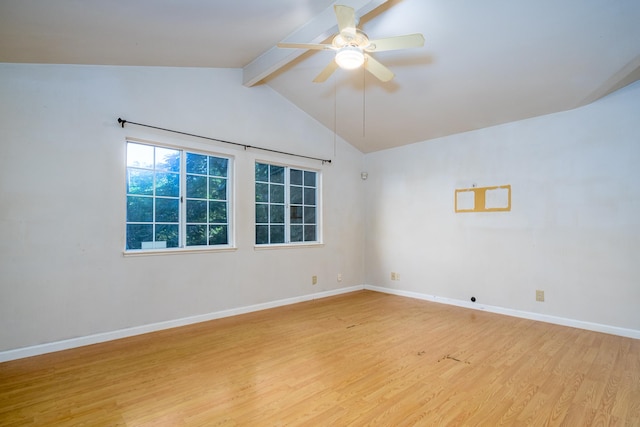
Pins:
x,y
287,204
183,199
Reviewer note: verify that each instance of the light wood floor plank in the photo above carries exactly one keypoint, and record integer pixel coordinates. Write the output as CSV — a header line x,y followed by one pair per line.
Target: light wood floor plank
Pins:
x,y
363,358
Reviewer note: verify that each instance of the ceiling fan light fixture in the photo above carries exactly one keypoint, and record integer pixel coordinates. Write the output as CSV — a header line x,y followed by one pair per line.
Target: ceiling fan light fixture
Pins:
x,y
352,47
349,57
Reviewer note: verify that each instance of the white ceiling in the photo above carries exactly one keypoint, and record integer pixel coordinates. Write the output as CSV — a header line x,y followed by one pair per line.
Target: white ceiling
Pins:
x,y
484,62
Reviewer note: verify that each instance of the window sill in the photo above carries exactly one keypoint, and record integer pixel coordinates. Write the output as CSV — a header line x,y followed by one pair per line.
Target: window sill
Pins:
x,y
177,251
287,246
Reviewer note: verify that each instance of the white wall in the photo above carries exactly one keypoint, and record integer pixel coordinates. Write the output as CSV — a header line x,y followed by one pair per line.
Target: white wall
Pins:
x,y
62,206
574,228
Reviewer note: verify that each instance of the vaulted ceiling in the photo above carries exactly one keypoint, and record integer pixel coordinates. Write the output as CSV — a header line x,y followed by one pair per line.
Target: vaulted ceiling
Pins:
x,y
484,62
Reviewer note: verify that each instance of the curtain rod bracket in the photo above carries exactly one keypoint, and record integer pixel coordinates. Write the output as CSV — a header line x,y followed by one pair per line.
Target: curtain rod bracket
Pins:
x,y
122,122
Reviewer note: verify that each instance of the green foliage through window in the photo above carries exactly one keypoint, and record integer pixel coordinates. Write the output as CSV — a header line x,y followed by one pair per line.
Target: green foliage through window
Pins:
x,y
175,198
286,205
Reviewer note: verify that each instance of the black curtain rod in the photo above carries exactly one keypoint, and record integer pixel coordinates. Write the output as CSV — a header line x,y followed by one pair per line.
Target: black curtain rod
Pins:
x,y
245,146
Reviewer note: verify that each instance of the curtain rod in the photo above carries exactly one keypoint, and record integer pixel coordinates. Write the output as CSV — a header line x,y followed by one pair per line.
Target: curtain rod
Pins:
x,y
245,146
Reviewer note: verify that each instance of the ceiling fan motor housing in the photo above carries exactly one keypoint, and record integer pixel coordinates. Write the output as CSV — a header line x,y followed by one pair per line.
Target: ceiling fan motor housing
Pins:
x,y
358,39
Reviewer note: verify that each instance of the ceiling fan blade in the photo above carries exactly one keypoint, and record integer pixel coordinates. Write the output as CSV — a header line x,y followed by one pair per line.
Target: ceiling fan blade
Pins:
x,y
326,72
377,69
314,46
393,43
346,18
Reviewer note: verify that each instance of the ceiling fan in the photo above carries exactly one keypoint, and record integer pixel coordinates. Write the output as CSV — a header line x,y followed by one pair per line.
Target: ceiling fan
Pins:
x,y
353,46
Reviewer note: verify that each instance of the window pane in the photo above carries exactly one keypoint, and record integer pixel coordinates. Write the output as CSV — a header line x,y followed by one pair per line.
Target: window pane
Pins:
x,y
217,189
196,187
273,217
262,234
139,181
309,215
218,235
167,233
262,213
296,233
196,163
262,172
277,174
309,196
277,233
167,184
218,212
139,209
276,193
296,214
262,192
309,179
140,155
138,233
295,177
218,166
154,193
295,196
196,235
309,233
277,214
167,210
167,159
196,211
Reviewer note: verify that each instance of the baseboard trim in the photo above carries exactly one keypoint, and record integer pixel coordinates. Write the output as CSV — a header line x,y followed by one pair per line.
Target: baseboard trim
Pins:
x,y
595,327
40,349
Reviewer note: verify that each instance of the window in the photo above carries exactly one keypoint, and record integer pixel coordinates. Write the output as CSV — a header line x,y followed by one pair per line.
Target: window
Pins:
x,y
286,205
176,198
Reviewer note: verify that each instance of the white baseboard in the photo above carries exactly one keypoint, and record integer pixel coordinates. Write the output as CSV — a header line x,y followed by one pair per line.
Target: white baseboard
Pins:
x,y
596,327
37,350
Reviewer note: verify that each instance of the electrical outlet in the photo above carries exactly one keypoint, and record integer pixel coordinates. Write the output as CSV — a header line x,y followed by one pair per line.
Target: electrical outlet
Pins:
x,y
314,280
540,295
397,276
393,275
339,277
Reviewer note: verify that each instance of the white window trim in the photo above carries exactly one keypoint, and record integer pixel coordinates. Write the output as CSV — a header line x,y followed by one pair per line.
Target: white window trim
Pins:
x,y
176,251
183,249
319,210
280,246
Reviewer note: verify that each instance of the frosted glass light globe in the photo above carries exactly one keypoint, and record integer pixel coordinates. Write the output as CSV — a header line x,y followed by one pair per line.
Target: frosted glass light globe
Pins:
x,y
349,57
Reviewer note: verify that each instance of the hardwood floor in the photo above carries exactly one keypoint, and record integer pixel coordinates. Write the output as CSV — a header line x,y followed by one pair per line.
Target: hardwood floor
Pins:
x,y
364,358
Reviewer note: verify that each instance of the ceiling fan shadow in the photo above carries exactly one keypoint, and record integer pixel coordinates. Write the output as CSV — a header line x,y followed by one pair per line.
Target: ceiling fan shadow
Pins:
x,y
359,80
409,61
